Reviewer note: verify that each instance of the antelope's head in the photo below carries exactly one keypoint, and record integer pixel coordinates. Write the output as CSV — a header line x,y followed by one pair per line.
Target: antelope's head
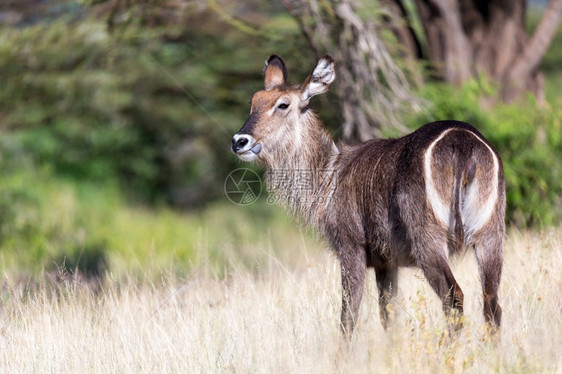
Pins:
x,y
279,118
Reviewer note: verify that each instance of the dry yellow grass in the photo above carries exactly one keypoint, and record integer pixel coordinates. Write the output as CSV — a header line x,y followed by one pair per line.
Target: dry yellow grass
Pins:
x,y
284,319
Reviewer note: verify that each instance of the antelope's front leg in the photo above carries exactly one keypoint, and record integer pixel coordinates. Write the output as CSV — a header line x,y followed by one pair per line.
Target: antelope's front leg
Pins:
x,y
353,263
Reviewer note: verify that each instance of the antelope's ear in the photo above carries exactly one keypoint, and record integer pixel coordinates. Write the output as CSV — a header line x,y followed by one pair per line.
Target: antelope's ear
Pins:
x,y
320,80
274,71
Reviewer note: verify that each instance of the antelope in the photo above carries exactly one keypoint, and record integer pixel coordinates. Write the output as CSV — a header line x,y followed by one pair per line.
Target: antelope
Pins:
x,y
385,203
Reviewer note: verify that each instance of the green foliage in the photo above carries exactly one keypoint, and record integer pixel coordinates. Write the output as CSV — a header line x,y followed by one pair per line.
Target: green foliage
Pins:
x,y
89,105
49,224
151,107
97,111
552,61
528,138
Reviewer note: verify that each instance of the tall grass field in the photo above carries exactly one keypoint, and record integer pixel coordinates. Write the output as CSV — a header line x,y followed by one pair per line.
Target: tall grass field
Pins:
x,y
281,315
120,253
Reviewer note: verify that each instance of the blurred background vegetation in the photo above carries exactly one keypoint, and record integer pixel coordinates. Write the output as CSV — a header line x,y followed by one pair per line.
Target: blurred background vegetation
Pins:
x,y
116,119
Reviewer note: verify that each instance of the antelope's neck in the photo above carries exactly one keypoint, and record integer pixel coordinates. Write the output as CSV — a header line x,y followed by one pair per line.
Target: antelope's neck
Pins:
x,y
305,179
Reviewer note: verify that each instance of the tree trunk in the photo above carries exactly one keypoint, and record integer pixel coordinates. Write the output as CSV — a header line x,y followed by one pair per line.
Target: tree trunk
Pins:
x,y
397,19
447,45
372,88
524,74
467,38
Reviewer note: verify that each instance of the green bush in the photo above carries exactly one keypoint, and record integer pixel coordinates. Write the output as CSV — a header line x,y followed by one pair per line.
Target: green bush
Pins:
x,y
152,107
94,106
528,138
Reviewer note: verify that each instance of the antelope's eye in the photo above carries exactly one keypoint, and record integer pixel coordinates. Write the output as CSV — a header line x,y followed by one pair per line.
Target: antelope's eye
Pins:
x,y
282,106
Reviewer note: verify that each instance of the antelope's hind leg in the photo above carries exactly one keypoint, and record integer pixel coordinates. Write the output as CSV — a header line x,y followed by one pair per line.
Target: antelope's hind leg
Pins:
x,y
438,273
387,284
489,256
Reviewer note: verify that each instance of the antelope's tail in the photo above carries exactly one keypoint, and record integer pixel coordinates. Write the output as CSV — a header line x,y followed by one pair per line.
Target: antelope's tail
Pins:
x,y
464,175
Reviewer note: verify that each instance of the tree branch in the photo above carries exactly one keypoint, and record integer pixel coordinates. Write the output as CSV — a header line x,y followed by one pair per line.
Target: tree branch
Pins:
x,y
372,88
539,43
458,52
399,22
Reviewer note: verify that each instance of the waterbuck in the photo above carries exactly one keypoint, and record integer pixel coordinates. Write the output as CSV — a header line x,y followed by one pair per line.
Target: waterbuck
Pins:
x,y
411,201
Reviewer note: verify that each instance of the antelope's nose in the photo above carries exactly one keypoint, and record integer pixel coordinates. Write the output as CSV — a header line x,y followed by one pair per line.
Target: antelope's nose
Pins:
x,y
240,143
